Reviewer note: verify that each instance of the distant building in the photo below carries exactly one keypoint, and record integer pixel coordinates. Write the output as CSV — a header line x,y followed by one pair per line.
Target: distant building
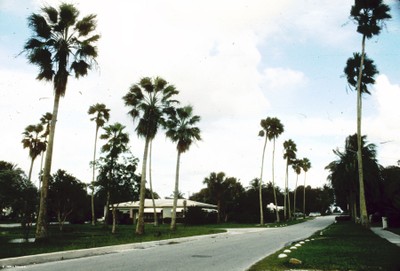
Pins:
x,y
164,207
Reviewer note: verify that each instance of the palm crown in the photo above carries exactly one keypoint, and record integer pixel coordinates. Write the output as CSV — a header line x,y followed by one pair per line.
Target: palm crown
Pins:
x,y
181,129
352,70
150,100
58,36
102,114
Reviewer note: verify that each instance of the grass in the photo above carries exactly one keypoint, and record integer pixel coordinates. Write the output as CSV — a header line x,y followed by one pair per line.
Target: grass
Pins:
x,y
87,236
342,246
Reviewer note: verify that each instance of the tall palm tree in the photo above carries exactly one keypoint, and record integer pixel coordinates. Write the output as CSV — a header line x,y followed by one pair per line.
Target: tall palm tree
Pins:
x,y
181,130
151,185
150,100
60,45
296,165
289,155
32,140
275,129
305,165
101,116
370,16
117,143
262,133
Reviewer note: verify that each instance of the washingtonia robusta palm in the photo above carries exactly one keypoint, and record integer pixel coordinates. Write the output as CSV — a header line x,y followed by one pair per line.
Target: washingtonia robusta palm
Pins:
x,y
305,165
101,116
34,142
289,155
262,133
182,130
370,17
61,45
150,100
275,129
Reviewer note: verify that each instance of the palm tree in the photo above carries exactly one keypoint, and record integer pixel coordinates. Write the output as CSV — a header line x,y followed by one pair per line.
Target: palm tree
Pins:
x,y
296,165
289,155
305,165
102,115
45,120
262,133
117,143
370,16
181,130
61,44
34,143
151,185
150,100
275,129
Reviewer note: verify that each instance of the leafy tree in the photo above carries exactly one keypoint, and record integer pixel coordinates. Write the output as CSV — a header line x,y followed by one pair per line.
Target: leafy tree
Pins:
x,y
17,193
344,175
101,116
117,143
370,16
60,45
33,141
305,165
150,100
289,155
181,130
391,195
67,194
121,186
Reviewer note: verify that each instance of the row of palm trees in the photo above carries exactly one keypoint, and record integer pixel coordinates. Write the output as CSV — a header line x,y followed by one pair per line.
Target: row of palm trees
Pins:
x,y
370,17
272,128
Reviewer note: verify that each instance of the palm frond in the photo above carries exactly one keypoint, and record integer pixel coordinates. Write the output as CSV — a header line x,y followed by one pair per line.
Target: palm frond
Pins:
x,y
86,25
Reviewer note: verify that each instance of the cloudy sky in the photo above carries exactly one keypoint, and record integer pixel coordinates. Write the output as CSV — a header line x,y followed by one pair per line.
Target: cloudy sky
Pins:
x,y
235,61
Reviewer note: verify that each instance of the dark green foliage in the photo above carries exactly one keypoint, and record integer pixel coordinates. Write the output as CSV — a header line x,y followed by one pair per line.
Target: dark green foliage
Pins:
x,y
391,192
17,193
197,216
68,200
352,70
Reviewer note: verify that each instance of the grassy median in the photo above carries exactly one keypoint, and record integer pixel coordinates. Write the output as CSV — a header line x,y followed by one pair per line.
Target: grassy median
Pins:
x,y
342,246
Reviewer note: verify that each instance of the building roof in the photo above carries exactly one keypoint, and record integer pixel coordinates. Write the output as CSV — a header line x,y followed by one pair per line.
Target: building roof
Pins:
x,y
164,203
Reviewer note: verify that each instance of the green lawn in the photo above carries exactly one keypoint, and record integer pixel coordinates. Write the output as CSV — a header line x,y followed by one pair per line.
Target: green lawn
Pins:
x,y
342,246
87,236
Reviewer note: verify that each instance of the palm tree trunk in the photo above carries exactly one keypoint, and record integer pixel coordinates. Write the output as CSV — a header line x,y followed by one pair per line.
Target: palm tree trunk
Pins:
x,y
93,176
140,220
273,183
114,214
107,209
304,195
289,215
176,191
363,205
260,184
30,169
41,226
294,195
151,186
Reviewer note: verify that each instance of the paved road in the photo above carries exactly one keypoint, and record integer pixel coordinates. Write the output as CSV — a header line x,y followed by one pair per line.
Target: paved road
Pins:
x,y
236,250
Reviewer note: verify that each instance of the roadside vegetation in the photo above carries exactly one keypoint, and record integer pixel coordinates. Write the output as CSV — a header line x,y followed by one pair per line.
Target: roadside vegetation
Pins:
x,y
341,246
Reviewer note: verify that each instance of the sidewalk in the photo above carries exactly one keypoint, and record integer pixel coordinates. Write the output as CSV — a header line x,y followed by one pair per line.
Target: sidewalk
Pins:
x,y
390,236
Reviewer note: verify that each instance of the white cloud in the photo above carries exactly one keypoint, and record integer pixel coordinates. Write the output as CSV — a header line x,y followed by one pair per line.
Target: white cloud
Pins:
x,y
281,79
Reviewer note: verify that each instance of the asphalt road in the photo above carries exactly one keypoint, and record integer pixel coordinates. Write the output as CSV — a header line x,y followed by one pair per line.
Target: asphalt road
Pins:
x,y
236,250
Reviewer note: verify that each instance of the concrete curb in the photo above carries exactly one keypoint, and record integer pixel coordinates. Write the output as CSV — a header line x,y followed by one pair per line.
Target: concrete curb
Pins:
x,y
388,235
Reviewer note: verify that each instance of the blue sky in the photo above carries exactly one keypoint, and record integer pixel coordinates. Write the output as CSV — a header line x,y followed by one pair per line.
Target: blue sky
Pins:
x,y
236,62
